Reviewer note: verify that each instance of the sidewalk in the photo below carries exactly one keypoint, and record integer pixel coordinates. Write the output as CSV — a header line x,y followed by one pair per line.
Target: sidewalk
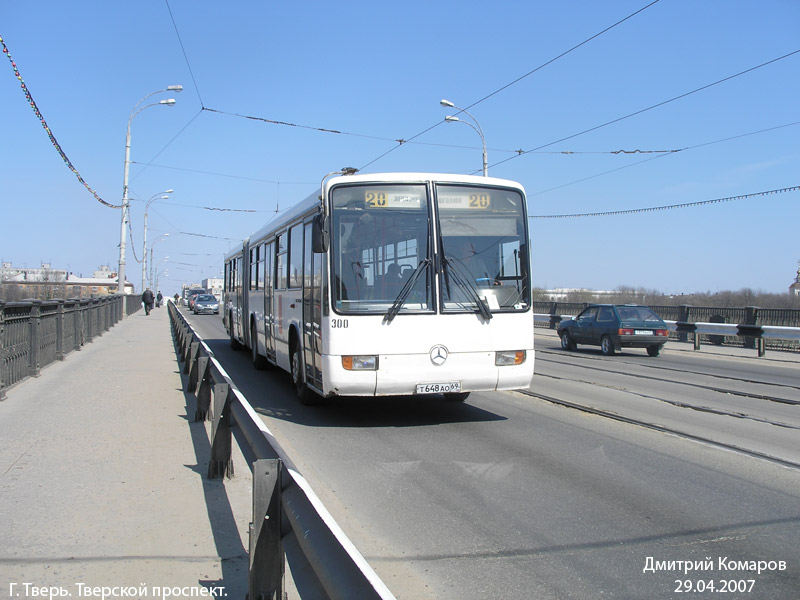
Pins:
x,y
104,479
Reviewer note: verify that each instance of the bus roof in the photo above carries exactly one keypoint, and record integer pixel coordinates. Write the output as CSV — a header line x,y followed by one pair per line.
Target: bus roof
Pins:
x,y
420,177
312,200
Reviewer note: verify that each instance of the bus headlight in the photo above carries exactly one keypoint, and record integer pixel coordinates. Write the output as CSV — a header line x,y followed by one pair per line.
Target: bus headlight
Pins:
x,y
514,357
360,363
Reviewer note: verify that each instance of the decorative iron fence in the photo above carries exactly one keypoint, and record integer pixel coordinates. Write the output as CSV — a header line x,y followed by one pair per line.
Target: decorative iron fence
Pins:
x,y
35,333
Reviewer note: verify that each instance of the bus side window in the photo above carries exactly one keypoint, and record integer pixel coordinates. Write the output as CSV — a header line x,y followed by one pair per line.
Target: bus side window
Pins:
x,y
282,266
296,256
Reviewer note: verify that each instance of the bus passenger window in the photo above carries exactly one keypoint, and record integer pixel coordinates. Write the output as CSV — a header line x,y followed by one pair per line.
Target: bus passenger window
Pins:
x,y
282,266
296,256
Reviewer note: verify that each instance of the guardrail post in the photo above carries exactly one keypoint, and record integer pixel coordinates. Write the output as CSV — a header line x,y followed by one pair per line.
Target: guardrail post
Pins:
x,y
33,339
180,336
185,338
266,545
683,316
752,333
189,352
204,391
191,366
684,328
221,463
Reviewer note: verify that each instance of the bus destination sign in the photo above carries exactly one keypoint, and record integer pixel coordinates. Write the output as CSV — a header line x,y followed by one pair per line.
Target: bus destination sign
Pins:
x,y
465,201
384,199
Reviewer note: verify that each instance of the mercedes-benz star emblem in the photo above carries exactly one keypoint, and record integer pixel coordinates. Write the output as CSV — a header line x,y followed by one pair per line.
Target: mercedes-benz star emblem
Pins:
x,y
438,355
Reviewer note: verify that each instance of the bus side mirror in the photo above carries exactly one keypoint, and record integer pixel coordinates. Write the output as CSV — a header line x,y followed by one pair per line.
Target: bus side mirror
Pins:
x,y
319,234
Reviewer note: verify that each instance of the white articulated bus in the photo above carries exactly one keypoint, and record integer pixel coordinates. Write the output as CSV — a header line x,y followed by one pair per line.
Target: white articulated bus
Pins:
x,y
390,284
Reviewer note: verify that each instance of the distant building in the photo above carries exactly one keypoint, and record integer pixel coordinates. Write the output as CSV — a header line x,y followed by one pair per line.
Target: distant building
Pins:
x,y
11,274
213,286
794,289
103,282
45,283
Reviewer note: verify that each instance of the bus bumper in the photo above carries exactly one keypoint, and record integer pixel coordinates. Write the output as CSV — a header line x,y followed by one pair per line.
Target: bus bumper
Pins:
x,y
401,374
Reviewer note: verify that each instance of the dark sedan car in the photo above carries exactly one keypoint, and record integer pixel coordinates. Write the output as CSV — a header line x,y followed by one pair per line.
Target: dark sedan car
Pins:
x,y
613,327
205,304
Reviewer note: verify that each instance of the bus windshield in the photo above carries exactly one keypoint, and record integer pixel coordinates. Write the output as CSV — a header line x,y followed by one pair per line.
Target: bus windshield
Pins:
x,y
380,237
383,254
484,249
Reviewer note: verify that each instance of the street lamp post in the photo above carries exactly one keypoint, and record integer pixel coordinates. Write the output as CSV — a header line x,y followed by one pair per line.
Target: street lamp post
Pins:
x,y
165,272
152,246
136,110
144,243
476,127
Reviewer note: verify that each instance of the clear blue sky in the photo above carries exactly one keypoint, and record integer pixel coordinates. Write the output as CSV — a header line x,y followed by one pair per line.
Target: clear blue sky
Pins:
x,y
375,72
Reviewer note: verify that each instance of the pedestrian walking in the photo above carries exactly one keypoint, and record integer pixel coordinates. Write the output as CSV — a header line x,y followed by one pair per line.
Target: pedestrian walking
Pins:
x,y
159,298
147,300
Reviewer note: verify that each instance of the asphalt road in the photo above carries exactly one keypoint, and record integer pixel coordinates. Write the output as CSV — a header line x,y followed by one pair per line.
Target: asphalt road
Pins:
x,y
511,495
727,396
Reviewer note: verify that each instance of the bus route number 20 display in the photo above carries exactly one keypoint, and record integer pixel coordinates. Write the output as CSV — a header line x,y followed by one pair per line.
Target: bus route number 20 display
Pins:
x,y
465,201
382,199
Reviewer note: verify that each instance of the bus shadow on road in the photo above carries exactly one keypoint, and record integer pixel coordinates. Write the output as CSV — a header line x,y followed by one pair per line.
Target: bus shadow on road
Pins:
x,y
395,411
276,400
384,411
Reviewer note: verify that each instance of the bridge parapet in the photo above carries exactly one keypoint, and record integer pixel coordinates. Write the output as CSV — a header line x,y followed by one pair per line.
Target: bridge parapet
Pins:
x,y
747,327
35,333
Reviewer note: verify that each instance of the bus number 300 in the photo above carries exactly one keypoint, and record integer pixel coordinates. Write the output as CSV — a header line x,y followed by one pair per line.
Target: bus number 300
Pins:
x,y
339,323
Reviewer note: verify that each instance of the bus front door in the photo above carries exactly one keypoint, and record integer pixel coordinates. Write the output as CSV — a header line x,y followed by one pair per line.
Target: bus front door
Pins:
x,y
269,316
312,312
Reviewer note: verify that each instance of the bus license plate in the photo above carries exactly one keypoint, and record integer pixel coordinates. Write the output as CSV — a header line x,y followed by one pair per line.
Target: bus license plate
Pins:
x,y
439,388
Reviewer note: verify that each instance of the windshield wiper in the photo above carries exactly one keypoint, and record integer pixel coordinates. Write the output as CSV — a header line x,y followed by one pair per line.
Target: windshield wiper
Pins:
x,y
402,296
457,272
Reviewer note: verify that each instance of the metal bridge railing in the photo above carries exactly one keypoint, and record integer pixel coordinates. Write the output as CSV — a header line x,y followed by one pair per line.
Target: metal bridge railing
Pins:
x,y
748,327
35,333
